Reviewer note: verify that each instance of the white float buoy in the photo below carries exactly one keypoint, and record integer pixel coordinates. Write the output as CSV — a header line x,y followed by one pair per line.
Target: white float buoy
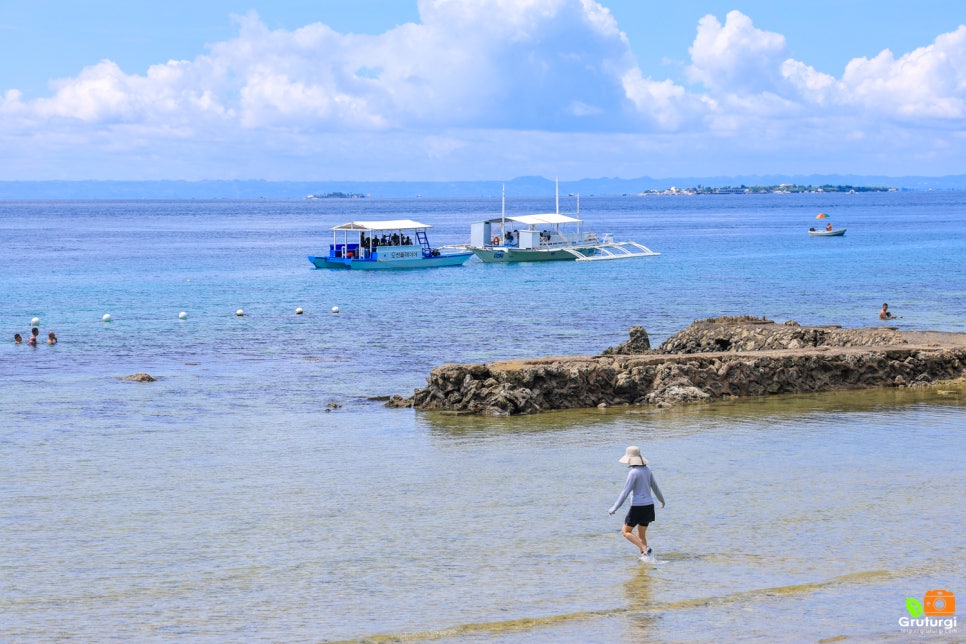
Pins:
x,y
35,322
335,309
298,311
107,317
182,316
239,312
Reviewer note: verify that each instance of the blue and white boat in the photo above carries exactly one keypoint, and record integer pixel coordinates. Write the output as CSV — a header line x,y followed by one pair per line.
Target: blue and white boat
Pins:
x,y
392,244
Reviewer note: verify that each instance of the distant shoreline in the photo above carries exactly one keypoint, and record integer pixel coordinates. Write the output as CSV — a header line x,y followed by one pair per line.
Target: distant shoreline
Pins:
x,y
337,195
780,189
518,187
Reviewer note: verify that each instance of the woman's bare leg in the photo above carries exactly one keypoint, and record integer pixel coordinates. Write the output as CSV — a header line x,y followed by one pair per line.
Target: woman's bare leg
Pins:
x,y
641,529
628,533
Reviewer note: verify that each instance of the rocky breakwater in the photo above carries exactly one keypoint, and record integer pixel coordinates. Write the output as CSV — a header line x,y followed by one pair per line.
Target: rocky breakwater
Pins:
x,y
710,360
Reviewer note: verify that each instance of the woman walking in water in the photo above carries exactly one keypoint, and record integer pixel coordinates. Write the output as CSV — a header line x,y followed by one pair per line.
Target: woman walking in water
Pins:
x,y
640,482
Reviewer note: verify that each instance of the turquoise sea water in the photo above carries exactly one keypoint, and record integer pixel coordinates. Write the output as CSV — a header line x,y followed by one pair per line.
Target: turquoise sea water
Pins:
x,y
256,492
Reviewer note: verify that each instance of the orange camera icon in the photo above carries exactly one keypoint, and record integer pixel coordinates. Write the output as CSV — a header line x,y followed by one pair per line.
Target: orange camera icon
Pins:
x,y
939,603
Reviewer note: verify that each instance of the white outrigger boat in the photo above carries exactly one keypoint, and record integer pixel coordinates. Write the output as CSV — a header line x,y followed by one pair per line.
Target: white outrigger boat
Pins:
x,y
386,245
539,238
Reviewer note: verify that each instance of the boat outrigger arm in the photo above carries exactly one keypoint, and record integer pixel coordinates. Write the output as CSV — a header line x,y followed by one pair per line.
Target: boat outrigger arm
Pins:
x,y
609,249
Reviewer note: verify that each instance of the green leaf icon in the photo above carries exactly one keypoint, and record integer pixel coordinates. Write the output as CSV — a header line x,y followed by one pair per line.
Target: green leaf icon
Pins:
x,y
914,606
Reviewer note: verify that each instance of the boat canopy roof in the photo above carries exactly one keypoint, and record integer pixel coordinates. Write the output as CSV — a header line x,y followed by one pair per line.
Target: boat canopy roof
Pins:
x,y
386,224
533,220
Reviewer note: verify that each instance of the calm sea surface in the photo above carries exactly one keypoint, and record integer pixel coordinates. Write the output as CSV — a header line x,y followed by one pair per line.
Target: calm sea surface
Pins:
x,y
257,491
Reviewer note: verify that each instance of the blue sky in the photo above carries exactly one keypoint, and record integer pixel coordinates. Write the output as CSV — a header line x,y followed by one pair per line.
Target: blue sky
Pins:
x,y
480,89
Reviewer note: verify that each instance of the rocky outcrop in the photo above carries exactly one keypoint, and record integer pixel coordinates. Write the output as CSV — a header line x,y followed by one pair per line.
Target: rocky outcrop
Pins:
x,y
140,377
638,343
706,362
751,334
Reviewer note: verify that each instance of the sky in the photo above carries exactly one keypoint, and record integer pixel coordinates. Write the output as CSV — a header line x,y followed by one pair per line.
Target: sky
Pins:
x,y
451,90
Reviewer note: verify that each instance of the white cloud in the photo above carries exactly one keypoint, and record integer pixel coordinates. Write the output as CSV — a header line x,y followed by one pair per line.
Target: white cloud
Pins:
x,y
754,86
534,64
103,93
477,77
926,84
736,57
666,105
929,82
813,86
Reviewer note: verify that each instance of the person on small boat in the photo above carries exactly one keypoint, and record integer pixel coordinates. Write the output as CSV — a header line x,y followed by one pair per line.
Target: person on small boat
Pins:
x,y
639,484
828,227
885,313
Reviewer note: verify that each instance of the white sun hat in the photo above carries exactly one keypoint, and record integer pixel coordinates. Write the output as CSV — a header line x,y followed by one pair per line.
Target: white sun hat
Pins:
x,y
632,456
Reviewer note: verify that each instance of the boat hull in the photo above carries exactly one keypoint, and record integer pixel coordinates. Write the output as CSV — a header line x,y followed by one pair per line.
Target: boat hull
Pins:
x,y
505,255
827,233
451,259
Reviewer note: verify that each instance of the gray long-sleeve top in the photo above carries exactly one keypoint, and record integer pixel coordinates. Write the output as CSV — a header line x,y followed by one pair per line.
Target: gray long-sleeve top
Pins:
x,y
640,482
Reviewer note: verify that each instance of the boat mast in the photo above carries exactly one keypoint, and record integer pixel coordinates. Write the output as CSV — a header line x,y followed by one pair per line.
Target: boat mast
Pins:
x,y
557,191
503,215
578,215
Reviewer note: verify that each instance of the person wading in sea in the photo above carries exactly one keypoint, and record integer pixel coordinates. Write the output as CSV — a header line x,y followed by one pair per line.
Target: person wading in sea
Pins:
x,y
886,314
640,482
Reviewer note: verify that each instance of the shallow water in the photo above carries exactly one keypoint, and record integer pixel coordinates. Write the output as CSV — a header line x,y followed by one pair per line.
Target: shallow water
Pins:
x,y
225,502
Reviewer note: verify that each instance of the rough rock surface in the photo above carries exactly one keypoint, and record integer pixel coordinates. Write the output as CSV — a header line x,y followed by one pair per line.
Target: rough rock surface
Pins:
x,y
140,377
638,343
710,360
744,334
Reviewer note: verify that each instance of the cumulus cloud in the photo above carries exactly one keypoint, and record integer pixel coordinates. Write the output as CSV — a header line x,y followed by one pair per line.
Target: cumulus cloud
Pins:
x,y
929,82
667,105
513,68
747,66
530,64
736,57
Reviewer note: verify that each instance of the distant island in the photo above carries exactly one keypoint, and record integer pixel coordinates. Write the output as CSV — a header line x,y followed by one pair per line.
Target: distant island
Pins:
x,y
529,186
337,195
782,189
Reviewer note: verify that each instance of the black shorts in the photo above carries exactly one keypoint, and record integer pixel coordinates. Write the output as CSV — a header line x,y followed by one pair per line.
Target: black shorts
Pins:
x,y
640,515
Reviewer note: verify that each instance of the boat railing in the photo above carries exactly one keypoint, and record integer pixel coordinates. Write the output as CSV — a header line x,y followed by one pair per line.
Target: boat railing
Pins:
x,y
342,251
555,240
560,240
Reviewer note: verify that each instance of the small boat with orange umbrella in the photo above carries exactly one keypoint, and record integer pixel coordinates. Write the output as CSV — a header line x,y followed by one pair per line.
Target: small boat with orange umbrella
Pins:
x,y
829,231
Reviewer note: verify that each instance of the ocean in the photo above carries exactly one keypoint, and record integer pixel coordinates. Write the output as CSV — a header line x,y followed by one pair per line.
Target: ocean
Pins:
x,y
259,490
